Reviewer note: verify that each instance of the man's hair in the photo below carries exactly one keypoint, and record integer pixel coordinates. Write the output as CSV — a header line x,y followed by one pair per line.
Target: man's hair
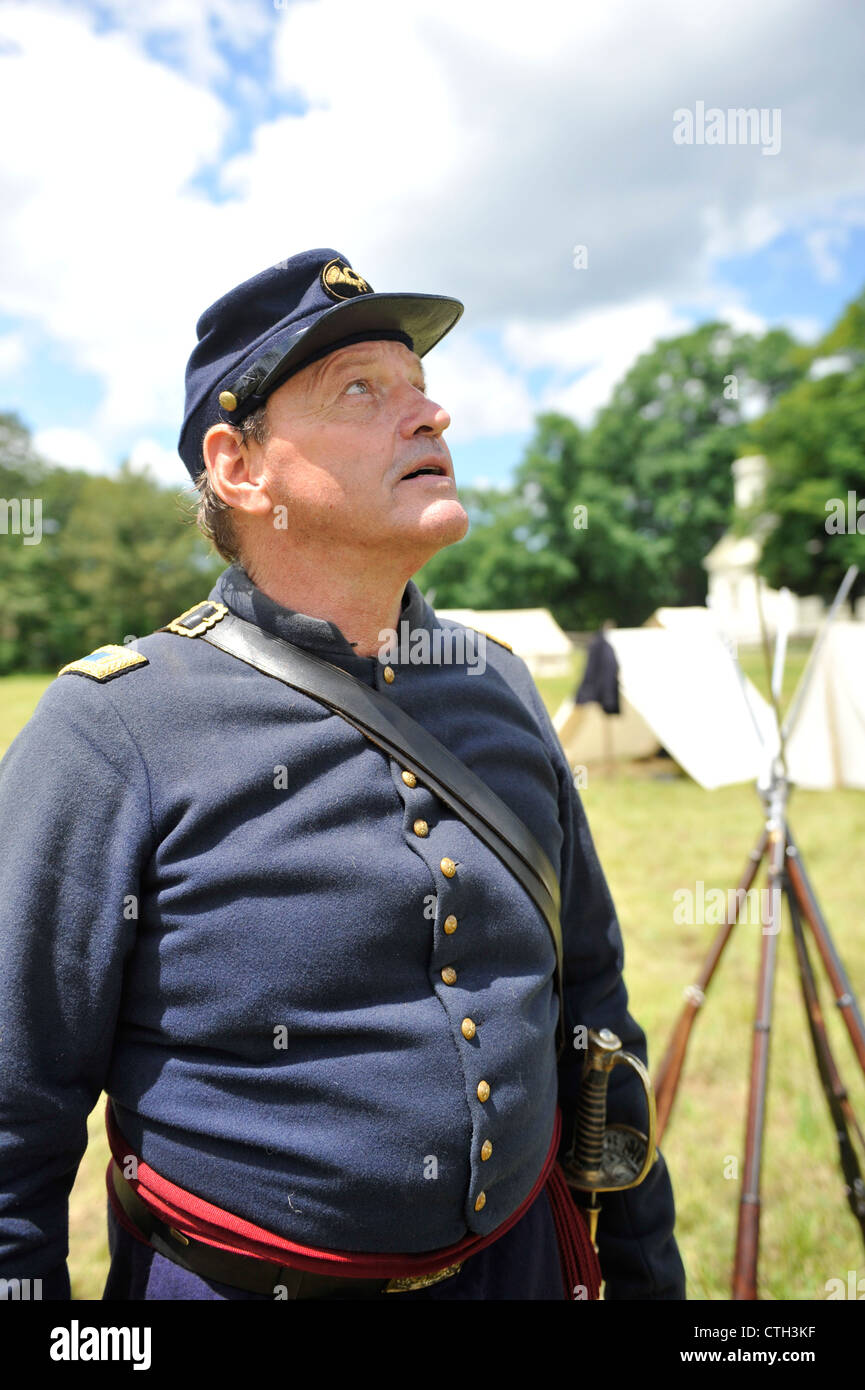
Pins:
x,y
214,517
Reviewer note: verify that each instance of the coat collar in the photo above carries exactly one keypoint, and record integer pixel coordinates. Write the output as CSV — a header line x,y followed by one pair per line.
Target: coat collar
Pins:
x,y
236,590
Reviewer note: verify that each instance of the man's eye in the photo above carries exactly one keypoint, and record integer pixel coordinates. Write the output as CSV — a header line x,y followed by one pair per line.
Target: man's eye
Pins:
x,y
353,384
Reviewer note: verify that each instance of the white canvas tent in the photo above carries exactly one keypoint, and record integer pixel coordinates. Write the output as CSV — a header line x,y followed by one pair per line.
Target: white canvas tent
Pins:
x,y
533,633
590,736
681,690
684,687
827,746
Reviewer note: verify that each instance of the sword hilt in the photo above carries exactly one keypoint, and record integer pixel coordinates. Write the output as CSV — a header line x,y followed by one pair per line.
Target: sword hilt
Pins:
x,y
602,1157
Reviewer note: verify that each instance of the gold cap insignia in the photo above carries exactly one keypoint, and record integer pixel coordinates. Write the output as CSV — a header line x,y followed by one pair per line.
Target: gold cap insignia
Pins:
x,y
105,663
228,400
341,282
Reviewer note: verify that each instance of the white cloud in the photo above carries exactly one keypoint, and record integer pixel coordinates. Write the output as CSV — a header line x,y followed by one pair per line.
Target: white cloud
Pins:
x,y
599,345
13,353
528,136
164,466
185,30
482,397
805,328
72,449
825,366
452,147
101,242
753,401
731,229
823,245
584,340
487,484
722,306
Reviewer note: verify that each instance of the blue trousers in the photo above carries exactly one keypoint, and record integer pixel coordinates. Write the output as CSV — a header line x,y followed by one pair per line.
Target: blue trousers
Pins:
x,y
523,1264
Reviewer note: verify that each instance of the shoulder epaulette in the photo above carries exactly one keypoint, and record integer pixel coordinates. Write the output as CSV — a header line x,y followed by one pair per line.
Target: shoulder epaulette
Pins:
x,y
498,641
197,619
105,663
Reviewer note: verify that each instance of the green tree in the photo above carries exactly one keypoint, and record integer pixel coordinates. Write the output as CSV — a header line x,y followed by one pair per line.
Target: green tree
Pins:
x,y
117,557
559,537
653,475
814,439
670,433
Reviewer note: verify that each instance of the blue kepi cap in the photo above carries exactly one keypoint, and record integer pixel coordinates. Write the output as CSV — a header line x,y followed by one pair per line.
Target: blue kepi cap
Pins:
x,y
258,334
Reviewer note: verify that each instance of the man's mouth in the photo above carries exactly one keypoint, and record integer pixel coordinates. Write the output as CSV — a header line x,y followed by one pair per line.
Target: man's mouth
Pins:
x,y
426,469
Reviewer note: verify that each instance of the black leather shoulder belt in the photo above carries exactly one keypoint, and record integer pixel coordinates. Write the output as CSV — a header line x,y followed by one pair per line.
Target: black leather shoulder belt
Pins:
x,y
387,726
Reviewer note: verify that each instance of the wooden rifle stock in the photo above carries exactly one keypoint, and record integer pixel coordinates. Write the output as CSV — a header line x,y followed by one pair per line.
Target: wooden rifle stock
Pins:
x,y
670,1069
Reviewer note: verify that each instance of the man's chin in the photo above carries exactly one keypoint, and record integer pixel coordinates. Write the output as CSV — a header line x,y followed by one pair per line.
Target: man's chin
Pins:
x,y
418,538
443,522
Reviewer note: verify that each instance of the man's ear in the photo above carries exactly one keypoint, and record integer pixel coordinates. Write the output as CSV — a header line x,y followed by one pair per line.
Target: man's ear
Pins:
x,y
234,473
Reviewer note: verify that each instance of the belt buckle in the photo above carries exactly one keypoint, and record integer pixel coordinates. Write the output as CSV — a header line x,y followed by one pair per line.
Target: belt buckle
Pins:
x,y
421,1281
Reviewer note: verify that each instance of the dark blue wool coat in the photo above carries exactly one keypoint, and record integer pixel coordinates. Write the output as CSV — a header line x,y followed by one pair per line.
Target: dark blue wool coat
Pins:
x,y
215,905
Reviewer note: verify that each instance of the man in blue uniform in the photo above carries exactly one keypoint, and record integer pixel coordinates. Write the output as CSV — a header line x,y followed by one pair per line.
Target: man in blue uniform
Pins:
x,y
322,1005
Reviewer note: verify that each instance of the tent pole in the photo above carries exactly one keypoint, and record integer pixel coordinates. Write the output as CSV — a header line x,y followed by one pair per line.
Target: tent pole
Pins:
x,y
811,664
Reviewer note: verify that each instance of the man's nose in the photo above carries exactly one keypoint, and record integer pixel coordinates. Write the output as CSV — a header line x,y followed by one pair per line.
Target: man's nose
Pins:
x,y
424,416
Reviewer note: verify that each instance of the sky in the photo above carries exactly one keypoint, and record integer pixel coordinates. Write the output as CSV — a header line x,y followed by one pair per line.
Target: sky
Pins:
x,y
156,153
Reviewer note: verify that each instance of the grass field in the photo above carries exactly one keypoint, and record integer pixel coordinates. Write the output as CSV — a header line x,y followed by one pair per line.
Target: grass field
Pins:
x,y
656,834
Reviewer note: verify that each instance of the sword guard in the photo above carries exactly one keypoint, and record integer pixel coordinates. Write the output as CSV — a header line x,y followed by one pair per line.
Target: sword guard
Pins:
x,y
608,1158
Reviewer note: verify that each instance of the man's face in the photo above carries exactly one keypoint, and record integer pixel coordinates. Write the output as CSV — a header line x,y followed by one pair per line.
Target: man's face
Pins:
x,y
344,434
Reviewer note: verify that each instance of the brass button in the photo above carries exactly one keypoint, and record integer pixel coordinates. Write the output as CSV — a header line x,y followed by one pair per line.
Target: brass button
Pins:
x,y
409,779
467,1027
483,1090
486,1151
480,1201
449,975
388,674
450,924
228,400
421,828
448,868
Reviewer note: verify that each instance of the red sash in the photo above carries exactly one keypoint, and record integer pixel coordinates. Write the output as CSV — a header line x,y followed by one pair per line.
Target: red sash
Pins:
x,y
202,1221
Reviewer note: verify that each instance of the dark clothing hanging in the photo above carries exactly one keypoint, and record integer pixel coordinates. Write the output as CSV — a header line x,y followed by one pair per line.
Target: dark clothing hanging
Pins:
x,y
600,681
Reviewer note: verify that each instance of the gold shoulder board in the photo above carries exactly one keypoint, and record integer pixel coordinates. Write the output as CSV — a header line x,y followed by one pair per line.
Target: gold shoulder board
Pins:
x,y
105,663
498,641
199,619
